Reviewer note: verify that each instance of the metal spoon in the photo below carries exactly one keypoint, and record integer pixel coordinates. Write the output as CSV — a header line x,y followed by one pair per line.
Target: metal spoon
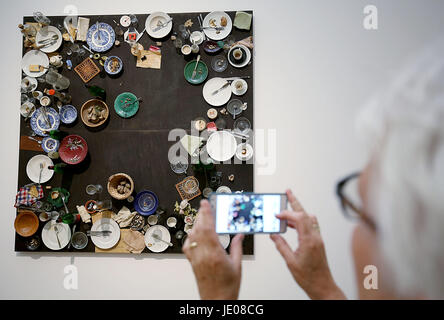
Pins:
x,y
57,235
155,236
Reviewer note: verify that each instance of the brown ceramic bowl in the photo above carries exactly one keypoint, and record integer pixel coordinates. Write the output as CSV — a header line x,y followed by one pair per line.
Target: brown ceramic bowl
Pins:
x,y
84,112
113,183
26,223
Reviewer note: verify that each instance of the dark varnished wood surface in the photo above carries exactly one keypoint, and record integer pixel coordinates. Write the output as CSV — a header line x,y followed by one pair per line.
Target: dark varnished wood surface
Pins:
x,y
139,146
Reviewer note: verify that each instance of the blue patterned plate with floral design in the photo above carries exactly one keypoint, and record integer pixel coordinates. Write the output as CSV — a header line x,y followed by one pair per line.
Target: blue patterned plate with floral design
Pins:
x,y
50,144
100,37
146,203
40,125
68,114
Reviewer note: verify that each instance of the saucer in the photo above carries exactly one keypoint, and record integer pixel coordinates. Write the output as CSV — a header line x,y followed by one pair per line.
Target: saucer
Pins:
x,y
244,151
68,114
244,87
245,61
49,144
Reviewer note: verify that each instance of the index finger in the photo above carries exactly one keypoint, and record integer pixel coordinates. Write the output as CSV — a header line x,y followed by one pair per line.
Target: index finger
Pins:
x,y
294,202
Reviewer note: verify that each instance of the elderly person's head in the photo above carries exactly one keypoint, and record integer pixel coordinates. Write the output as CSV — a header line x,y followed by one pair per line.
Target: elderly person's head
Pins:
x,y
402,188
401,209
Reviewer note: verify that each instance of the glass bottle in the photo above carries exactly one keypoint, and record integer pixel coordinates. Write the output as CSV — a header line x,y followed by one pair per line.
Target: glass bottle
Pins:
x,y
96,91
58,168
70,218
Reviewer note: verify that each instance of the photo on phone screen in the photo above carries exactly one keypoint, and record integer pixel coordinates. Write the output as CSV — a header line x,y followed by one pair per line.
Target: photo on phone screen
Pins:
x,y
248,212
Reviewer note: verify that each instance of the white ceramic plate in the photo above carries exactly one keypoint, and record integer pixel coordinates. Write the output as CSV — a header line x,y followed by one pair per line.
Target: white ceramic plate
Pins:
x,y
33,168
220,98
107,241
248,152
224,240
36,57
47,33
197,37
154,20
245,62
156,245
212,33
244,87
49,236
221,146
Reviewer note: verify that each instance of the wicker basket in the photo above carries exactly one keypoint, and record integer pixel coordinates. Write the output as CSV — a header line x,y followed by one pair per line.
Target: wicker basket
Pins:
x,y
114,181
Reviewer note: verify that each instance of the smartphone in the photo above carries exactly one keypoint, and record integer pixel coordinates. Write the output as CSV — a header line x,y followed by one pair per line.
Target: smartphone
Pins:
x,y
248,212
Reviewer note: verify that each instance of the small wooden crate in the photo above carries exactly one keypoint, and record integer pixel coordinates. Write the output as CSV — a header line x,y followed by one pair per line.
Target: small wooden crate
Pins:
x,y
87,70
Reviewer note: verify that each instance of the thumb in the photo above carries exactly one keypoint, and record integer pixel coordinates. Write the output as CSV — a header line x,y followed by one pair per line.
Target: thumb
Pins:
x,y
236,250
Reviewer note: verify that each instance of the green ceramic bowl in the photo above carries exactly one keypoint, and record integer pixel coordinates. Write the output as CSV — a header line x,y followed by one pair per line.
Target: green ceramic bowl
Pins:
x,y
126,105
201,72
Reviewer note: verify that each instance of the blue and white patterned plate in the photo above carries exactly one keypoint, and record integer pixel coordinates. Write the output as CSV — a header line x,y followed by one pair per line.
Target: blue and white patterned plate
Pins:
x,y
39,125
100,40
108,65
49,144
146,203
68,114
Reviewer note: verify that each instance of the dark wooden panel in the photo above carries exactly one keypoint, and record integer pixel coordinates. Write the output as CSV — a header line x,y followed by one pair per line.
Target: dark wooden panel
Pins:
x,y
139,146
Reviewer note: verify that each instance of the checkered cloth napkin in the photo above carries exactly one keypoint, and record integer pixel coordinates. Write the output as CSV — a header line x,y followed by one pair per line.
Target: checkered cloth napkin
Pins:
x,y
26,198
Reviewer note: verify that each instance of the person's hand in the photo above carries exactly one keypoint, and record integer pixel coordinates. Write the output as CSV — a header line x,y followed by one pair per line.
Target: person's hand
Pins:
x,y
218,275
308,264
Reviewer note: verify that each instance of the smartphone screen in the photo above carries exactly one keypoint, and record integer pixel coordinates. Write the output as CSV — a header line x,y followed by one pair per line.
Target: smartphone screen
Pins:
x,y
248,212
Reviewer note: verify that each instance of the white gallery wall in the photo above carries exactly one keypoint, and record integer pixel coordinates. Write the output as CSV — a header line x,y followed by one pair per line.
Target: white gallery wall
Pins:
x,y
315,66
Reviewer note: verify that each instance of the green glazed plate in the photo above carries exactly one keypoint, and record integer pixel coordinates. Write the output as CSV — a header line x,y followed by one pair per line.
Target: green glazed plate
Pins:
x,y
126,111
201,72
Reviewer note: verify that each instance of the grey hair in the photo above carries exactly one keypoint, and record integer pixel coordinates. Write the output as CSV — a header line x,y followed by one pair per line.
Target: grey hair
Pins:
x,y
405,127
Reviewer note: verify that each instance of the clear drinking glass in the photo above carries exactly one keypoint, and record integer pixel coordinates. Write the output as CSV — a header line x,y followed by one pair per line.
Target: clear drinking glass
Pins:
x,y
92,189
61,83
178,43
41,18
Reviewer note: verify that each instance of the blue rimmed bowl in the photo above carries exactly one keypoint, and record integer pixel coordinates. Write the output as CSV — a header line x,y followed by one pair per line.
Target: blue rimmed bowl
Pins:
x,y
146,203
68,114
113,65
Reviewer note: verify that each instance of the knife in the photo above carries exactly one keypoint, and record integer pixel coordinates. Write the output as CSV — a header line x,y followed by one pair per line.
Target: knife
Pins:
x,y
162,26
223,87
99,233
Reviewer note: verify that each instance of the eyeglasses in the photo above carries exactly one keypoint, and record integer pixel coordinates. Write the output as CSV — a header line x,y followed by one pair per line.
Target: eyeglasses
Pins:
x,y
347,192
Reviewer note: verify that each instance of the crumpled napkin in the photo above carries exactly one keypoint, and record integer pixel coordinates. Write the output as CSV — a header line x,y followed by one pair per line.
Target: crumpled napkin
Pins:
x,y
134,241
86,217
124,217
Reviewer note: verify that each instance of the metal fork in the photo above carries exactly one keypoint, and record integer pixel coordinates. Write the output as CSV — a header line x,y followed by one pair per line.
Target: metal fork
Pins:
x,y
155,236
41,169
